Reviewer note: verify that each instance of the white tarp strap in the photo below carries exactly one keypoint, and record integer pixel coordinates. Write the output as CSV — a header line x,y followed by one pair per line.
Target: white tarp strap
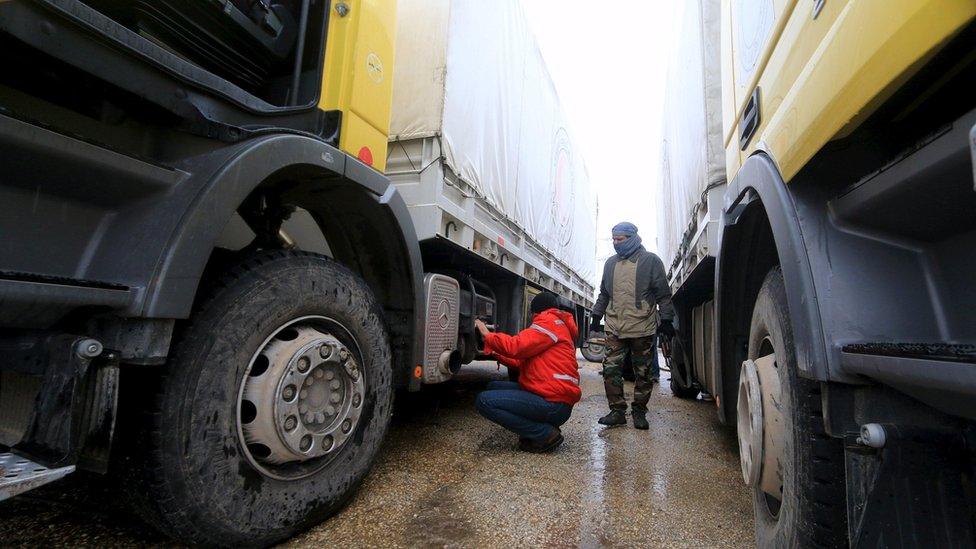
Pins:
x,y
566,377
555,339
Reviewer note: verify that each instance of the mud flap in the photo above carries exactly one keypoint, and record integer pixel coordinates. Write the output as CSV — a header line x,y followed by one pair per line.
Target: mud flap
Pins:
x,y
917,489
73,415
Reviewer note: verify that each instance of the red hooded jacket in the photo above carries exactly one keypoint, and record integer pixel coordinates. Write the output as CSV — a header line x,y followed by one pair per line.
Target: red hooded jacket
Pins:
x,y
544,354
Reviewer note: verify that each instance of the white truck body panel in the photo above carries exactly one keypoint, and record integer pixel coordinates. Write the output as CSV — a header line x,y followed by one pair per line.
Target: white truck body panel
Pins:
x,y
693,175
480,148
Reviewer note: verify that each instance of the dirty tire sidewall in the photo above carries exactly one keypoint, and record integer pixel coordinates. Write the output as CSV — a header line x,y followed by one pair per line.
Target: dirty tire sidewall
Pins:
x,y
591,356
677,390
205,488
813,508
679,367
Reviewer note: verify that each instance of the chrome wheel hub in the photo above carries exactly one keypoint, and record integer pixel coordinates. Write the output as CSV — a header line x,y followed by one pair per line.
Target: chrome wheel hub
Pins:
x,y
750,423
302,397
761,425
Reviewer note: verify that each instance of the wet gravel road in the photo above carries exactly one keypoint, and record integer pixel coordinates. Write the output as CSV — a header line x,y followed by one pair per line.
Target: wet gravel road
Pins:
x,y
448,478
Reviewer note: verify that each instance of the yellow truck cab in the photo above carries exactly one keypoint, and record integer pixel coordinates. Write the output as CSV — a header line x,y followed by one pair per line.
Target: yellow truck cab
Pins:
x,y
205,278
824,282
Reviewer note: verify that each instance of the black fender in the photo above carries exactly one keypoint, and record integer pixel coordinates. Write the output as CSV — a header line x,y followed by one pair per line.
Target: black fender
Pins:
x,y
173,285
89,230
759,184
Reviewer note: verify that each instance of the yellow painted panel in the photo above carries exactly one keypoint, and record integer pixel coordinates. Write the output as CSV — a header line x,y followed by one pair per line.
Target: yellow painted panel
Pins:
x,y
362,134
358,78
798,42
756,28
869,49
339,46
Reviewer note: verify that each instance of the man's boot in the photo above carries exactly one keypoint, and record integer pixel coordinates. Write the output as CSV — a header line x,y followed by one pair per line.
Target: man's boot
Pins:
x,y
640,420
615,417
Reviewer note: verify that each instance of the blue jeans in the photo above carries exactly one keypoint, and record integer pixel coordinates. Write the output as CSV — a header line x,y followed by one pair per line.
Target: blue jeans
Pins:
x,y
526,414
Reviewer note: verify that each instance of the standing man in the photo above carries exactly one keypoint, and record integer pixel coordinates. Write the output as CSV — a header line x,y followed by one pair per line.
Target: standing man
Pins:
x,y
636,299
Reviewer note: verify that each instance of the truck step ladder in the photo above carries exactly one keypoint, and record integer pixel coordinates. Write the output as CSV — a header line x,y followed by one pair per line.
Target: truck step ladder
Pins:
x,y
19,474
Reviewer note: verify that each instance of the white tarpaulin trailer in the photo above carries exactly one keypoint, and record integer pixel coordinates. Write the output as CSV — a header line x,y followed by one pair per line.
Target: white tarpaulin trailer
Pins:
x,y
480,149
693,157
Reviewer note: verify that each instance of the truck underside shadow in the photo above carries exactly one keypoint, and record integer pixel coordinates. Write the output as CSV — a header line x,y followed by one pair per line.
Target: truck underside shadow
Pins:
x,y
748,253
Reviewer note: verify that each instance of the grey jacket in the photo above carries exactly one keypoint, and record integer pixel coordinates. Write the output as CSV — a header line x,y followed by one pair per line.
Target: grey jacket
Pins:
x,y
652,284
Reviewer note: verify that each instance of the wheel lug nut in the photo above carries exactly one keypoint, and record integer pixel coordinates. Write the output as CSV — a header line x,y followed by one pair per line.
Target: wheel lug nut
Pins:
x,y
290,423
318,374
356,400
306,443
334,397
327,442
325,351
289,392
335,384
330,374
343,355
303,364
346,425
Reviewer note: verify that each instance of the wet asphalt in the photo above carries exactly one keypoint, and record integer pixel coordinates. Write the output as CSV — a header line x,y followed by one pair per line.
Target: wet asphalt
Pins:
x,y
448,478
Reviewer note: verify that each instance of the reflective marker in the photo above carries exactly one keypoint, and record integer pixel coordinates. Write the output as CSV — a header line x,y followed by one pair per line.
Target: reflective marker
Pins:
x,y
366,156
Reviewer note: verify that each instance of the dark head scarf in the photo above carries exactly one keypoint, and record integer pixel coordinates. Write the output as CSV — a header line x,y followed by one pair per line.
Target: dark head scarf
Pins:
x,y
627,247
543,301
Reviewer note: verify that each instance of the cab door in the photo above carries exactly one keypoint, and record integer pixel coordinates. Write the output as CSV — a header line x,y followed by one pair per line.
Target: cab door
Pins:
x,y
798,73
750,30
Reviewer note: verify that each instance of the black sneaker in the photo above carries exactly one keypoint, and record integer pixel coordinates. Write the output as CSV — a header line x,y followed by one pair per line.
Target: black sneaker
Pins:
x,y
615,417
640,420
543,446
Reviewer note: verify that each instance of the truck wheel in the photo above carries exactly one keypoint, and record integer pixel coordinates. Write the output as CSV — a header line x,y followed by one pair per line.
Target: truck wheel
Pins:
x,y
687,393
594,352
275,400
680,372
795,470
592,355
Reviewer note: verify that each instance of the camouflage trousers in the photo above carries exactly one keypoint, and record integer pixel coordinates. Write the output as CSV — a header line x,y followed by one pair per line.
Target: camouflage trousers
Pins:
x,y
644,358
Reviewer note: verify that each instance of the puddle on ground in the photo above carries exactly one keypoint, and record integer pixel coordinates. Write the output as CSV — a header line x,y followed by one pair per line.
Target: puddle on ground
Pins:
x,y
592,518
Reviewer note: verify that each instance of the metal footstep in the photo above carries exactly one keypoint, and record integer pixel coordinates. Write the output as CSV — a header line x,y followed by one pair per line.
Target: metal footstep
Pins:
x,y
19,474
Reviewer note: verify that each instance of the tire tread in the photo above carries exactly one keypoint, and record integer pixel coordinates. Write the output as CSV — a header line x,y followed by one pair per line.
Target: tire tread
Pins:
x,y
822,513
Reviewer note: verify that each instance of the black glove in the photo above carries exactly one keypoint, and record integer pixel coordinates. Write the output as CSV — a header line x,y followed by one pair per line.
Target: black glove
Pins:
x,y
595,323
665,329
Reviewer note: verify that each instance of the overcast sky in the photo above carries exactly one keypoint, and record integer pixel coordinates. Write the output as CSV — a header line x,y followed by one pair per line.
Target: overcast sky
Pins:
x,y
608,61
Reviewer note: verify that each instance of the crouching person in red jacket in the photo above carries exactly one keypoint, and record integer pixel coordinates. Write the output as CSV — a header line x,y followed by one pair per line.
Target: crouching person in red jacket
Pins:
x,y
548,385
